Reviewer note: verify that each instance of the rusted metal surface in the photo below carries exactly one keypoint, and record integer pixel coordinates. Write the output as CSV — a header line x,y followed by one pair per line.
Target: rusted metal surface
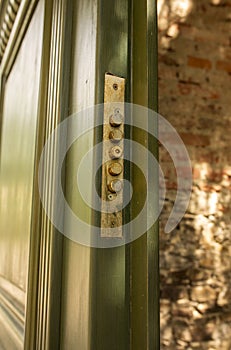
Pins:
x,y
112,181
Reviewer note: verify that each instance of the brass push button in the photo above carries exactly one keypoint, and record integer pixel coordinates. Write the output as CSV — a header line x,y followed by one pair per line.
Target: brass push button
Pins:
x,y
115,152
116,119
115,169
116,135
115,186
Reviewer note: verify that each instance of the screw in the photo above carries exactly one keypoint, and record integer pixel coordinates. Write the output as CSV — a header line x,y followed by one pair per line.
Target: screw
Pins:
x,y
110,197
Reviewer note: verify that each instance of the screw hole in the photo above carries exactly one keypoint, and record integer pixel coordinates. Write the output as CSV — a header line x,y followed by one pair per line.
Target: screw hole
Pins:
x,y
115,86
110,197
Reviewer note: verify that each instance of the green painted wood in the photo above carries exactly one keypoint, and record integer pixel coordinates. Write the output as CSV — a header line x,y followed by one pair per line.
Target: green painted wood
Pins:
x,y
20,75
144,251
110,272
76,270
110,296
153,234
126,310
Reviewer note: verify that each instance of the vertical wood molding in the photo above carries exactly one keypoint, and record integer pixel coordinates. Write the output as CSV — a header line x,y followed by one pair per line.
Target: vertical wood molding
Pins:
x,y
153,233
44,282
144,251
15,29
32,311
9,11
50,264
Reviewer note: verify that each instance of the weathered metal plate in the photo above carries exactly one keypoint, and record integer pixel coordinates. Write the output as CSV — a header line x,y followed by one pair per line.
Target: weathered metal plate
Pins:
x,y
112,159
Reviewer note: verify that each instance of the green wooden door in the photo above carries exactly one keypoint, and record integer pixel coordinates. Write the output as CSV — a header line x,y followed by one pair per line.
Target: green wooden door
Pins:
x,y
77,296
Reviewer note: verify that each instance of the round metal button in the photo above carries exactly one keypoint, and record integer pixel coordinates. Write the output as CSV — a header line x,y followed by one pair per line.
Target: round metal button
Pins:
x,y
115,186
116,152
116,119
116,135
115,169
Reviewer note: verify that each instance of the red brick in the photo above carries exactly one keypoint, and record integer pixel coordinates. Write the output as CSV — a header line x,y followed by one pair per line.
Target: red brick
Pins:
x,y
171,185
215,176
209,188
185,89
207,157
224,65
197,62
214,96
195,140
183,171
196,174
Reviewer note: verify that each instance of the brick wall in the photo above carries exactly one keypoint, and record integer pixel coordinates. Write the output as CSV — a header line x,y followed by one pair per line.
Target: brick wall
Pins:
x,y
195,97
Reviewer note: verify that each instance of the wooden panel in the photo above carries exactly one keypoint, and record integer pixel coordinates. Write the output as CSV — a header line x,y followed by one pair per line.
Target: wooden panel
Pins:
x,y
20,93
17,155
12,315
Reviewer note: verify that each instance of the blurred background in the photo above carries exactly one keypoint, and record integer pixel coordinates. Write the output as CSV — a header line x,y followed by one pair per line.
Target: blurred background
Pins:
x,y
195,96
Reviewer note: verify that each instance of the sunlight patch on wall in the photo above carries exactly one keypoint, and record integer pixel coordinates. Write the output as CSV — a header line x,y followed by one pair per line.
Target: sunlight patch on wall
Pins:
x,y
173,31
181,8
170,14
213,202
216,2
163,15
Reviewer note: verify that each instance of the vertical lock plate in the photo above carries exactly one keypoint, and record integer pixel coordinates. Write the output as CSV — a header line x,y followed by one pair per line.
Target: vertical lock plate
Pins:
x,y
112,157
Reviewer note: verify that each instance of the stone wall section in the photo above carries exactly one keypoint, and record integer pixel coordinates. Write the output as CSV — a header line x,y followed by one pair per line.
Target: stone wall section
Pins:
x,y
195,97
